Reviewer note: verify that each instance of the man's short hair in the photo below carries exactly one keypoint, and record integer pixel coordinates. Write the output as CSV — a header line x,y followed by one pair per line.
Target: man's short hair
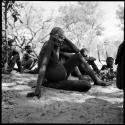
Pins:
x,y
57,30
109,58
28,47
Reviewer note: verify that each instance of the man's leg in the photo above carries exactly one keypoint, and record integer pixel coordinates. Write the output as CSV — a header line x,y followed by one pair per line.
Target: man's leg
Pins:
x,y
18,61
19,66
74,85
12,62
76,71
94,66
28,63
78,59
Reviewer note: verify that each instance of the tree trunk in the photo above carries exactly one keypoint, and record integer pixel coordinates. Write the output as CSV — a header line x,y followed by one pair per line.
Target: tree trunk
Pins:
x,y
6,63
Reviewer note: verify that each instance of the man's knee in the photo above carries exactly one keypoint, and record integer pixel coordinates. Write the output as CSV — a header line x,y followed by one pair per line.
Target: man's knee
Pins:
x,y
80,85
78,56
31,60
85,86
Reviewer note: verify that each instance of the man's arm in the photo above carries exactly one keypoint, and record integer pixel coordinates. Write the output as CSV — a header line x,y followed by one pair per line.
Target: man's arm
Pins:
x,y
35,55
41,76
32,55
44,57
66,54
74,48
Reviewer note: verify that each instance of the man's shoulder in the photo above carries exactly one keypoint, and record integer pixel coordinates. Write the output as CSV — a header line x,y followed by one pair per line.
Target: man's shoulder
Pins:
x,y
45,47
45,43
104,67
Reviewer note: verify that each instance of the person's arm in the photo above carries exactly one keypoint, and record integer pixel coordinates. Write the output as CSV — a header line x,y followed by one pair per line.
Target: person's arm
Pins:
x,y
73,46
44,57
32,55
35,55
66,54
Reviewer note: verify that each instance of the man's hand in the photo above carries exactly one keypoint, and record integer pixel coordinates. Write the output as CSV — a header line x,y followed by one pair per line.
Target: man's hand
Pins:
x,y
32,94
36,93
92,59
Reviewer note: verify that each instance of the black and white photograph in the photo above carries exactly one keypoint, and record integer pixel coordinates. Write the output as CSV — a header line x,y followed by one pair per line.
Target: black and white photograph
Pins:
x,y
62,62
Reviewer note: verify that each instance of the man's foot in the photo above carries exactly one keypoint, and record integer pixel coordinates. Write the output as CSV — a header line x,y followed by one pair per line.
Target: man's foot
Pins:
x,y
33,94
103,83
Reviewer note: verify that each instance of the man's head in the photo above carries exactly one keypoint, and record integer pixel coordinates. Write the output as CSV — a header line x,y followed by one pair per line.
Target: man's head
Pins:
x,y
11,42
109,61
58,35
28,48
84,52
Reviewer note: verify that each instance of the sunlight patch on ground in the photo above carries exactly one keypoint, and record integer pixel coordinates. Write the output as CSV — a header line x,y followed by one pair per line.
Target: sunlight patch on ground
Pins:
x,y
24,93
21,87
15,87
111,100
8,84
109,89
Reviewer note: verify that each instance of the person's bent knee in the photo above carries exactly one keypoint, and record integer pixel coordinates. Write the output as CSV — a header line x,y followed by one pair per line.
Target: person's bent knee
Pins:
x,y
86,87
89,86
81,85
77,56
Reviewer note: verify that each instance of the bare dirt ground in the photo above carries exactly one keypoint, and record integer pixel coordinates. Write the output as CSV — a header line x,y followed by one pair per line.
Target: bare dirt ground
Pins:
x,y
100,105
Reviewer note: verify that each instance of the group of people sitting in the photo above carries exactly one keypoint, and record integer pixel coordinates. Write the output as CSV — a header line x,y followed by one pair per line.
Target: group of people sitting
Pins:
x,y
27,62
59,59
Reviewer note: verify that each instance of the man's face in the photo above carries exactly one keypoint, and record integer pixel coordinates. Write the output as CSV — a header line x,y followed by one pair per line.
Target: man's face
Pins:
x,y
11,43
85,53
58,40
109,63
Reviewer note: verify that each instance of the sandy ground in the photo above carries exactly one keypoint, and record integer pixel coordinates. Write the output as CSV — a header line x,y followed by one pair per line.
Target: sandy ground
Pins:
x,y
100,105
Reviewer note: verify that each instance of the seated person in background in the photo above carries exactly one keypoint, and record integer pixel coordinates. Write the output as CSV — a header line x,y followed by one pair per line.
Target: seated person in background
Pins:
x,y
56,73
78,70
90,60
29,58
109,64
107,71
120,58
13,56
